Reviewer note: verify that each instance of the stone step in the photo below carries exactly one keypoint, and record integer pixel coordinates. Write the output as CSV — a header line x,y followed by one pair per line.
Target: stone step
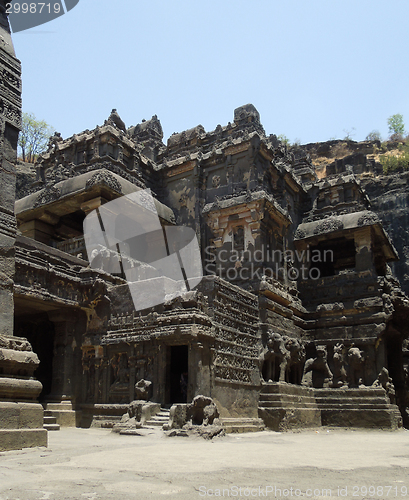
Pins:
x,y
354,406
287,389
286,397
48,419
59,406
158,420
239,425
287,404
351,401
105,421
350,393
377,418
154,423
51,427
279,398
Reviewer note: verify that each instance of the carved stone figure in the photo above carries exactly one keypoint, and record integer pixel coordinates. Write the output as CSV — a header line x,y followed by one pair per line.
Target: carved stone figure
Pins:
x,y
356,362
116,120
385,381
202,411
274,359
340,374
319,368
295,365
143,390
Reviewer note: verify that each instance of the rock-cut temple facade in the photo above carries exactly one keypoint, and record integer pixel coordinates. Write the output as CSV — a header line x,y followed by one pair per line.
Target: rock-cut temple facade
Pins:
x,y
297,322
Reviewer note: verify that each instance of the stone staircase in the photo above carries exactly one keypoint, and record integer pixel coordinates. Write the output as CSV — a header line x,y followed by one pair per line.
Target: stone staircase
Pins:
x,y
285,406
103,416
159,419
50,421
367,407
239,425
62,412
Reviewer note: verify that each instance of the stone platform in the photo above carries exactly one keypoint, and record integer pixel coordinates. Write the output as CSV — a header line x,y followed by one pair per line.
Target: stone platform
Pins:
x,y
63,413
285,406
364,407
21,416
101,415
21,426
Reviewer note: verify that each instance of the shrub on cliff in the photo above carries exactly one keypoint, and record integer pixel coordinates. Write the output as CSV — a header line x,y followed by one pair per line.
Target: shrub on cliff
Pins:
x,y
396,163
396,127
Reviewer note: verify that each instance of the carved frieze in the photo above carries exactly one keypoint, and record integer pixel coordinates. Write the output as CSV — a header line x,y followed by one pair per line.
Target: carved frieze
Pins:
x,y
106,178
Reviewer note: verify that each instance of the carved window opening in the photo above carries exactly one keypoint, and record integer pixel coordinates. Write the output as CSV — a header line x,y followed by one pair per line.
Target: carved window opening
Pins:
x,y
349,195
332,257
126,160
81,157
238,238
112,151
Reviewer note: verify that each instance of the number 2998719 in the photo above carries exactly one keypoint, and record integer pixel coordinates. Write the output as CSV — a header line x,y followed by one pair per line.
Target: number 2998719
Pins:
x,y
33,8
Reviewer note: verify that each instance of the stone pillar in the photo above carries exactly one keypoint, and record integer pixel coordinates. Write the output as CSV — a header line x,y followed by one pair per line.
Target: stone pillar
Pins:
x,y
90,205
363,246
199,370
132,362
21,416
303,264
59,401
64,323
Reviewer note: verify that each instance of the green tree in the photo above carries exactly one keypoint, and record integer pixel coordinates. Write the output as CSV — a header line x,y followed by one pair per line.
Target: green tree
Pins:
x,y
33,138
375,135
284,140
396,126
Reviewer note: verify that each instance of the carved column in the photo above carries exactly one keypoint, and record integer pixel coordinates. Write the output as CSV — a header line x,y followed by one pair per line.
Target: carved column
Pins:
x,y
363,246
90,205
65,324
132,373
21,421
95,148
199,370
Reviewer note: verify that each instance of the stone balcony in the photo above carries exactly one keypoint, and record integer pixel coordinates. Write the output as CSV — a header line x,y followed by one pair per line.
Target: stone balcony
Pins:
x,y
73,246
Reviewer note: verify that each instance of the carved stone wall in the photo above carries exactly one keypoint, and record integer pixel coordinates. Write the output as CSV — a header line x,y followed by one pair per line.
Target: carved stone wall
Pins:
x,y
21,417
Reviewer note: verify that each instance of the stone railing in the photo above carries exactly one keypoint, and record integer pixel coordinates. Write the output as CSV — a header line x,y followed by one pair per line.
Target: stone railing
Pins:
x,y
73,246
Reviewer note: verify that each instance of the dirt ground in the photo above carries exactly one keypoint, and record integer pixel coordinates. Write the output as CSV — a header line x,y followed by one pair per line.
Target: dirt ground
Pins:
x,y
94,464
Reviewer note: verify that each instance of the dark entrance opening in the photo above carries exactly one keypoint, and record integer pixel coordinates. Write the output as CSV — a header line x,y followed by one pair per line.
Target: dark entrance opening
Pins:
x,y
178,373
394,351
39,331
331,257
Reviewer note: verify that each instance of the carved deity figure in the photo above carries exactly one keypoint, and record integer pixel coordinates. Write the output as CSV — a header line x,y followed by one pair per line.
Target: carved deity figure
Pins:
x,y
53,142
340,374
356,362
319,368
143,390
123,371
295,365
120,370
274,359
385,381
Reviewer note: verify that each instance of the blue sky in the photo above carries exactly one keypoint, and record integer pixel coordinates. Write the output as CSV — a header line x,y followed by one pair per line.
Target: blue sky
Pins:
x,y
314,70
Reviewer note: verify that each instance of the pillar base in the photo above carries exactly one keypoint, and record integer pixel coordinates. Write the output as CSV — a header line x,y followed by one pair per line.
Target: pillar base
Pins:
x,y
21,426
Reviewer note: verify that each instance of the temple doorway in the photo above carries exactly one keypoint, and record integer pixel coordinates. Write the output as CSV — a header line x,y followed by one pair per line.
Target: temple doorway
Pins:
x,y
39,331
178,373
